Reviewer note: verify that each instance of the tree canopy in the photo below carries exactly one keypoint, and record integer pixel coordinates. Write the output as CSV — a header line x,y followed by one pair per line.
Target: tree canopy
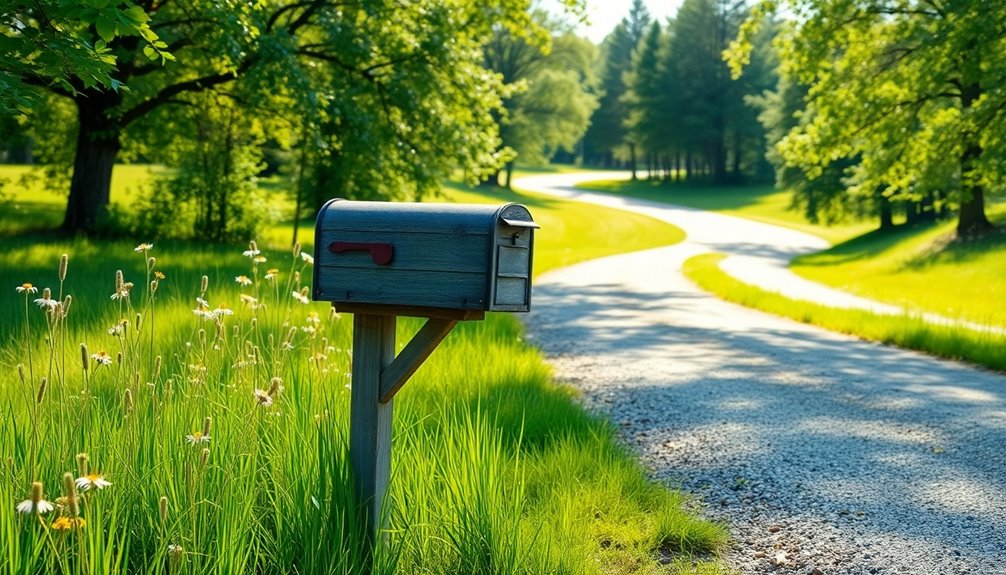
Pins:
x,y
908,95
392,95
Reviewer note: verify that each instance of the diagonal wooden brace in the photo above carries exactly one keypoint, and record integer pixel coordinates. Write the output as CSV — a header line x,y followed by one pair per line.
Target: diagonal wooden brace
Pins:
x,y
394,376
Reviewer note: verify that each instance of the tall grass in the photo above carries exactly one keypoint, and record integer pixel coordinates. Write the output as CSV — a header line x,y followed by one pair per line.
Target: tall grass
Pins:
x,y
984,348
220,422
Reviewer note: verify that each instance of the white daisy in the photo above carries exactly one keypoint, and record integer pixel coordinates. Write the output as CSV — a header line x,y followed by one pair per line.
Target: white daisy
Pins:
x,y
26,287
243,280
307,258
95,480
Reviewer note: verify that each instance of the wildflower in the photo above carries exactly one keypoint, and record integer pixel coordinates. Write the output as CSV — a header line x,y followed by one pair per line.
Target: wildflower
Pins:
x,y
222,310
301,297
197,437
203,304
102,358
45,302
35,504
90,480
207,315
68,523
115,330
26,287
308,329
252,250
259,259
143,248
312,317
249,301
271,274
243,280
263,398
308,258
122,293
159,276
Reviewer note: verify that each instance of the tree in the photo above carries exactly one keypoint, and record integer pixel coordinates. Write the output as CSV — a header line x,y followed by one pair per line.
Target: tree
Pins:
x,y
914,90
606,136
645,97
551,98
408,71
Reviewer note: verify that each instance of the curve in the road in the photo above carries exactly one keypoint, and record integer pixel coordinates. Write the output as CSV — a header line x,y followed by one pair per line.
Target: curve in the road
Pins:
x,y
824,454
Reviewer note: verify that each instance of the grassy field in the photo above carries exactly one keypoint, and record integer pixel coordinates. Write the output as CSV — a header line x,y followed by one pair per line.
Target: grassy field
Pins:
x,y
980,348
918,268
222,432
913,267
763,203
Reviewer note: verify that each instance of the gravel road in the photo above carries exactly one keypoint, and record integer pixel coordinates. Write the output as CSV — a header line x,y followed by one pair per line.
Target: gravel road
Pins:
x,y
823,454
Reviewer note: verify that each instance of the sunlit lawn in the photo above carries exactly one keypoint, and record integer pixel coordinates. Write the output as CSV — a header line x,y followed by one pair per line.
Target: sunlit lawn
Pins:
x,y
496,469
913,267
919,269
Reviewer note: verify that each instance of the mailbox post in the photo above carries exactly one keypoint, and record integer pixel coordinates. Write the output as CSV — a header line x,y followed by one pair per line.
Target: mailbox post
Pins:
x,y
381,260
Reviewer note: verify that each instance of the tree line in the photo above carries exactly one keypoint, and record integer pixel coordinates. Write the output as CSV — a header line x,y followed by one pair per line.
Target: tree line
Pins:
x,y
862,108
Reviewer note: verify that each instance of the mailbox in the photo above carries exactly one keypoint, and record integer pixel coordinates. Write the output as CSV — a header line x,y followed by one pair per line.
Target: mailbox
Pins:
x,y
396,257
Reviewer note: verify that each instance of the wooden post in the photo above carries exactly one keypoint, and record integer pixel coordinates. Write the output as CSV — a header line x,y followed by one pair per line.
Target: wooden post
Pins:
x,y
369,418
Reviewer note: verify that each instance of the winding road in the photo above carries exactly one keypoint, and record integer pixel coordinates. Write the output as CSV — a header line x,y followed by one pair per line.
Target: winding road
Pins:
x,y
822,453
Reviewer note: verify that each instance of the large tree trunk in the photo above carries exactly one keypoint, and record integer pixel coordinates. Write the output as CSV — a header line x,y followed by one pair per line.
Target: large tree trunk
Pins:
x,y
97,147
632,160
886,211
972,220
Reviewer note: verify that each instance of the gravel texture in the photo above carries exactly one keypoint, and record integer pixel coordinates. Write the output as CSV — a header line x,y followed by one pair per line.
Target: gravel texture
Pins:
x,y
823,454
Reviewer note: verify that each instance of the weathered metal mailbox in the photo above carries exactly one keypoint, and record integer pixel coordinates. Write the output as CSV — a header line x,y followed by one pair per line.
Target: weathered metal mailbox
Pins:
x,y
437,256
445,262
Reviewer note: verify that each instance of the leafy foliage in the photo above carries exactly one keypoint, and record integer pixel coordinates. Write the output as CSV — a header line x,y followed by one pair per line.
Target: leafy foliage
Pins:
x,y
912,91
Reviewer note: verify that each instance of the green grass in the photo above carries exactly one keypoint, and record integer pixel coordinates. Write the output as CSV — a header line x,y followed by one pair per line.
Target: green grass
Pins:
x,y
921,270
762,202
572,232
980,348
496,469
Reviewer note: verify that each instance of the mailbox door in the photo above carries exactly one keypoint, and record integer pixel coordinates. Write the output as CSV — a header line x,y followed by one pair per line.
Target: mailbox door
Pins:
x,y
514,250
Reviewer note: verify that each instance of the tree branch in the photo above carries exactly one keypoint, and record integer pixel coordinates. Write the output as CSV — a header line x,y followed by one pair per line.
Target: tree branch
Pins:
x,y
194,85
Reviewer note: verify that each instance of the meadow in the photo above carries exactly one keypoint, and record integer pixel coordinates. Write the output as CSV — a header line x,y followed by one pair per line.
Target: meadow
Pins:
x,y
918,268
189,415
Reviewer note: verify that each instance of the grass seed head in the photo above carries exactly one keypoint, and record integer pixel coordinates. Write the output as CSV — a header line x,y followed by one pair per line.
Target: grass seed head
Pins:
x,y
63,260
20,373
127,401
151,262
82,464
204,456
119,282
275,384
70,486
84,358
162,509
41,390
36,492
207,426
47,294
157,366
296,250
204,284
139,321
66,304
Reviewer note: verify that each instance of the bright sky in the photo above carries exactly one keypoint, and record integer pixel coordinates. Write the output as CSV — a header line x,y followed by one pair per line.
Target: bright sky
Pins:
x,y
605,14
